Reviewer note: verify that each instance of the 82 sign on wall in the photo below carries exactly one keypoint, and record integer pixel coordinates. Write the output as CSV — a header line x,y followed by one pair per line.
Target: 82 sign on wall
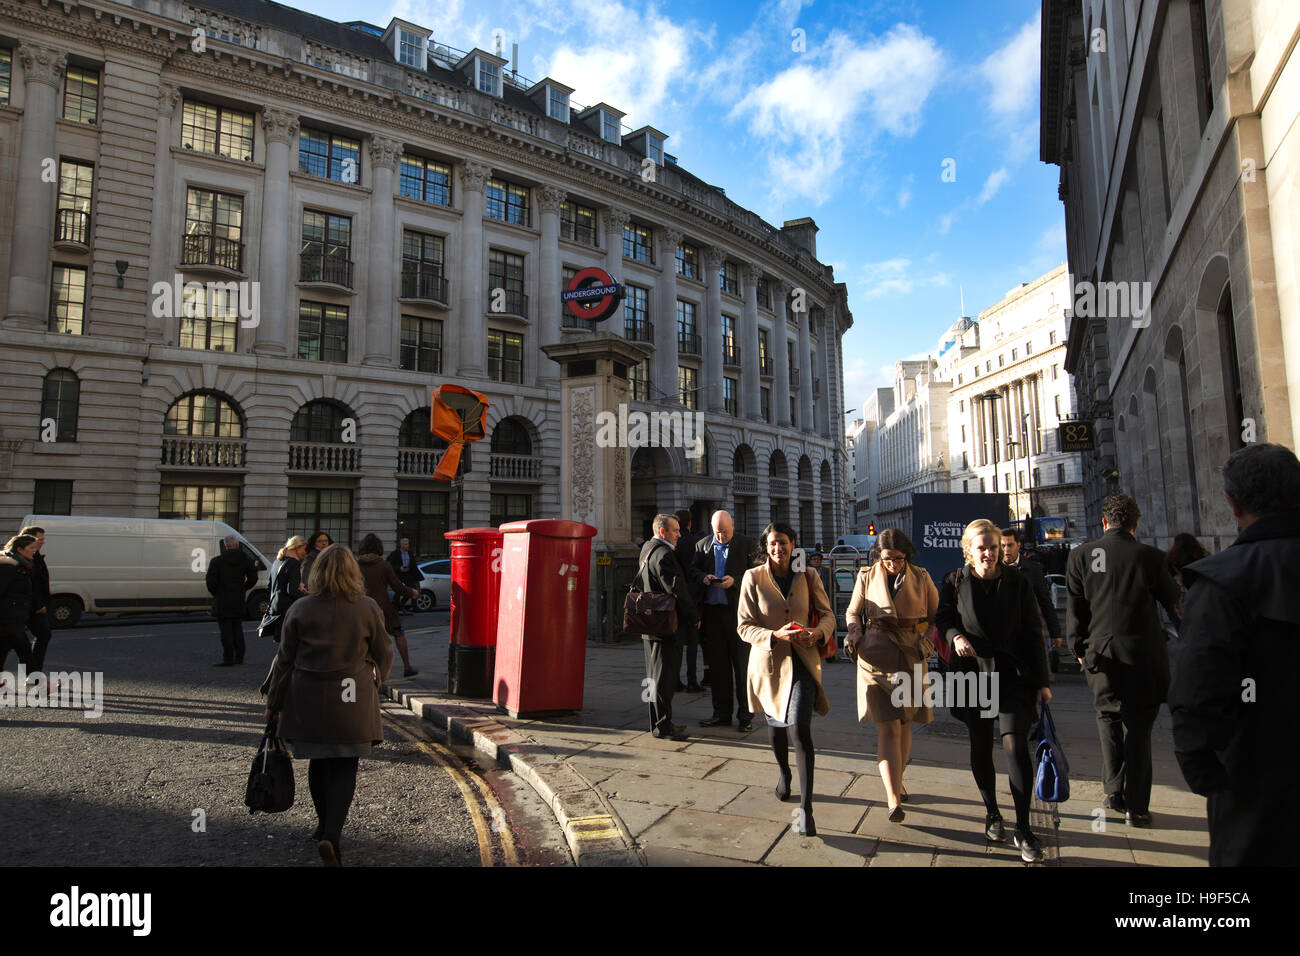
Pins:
x,y
1076,436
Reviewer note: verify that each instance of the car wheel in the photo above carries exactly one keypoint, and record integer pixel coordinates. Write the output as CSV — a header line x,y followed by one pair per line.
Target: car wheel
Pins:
x,y
65,611
257,605
426,601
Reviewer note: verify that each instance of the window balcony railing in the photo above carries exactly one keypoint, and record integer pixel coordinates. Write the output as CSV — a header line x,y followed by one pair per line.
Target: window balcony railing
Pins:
x,y
583,235
806,492
688,343
639,331
779,487
320,266
743,484
730,406
418,461
731,355
188,452
765,366
817,388
513,303
424,281
515,467
72,225
205,250
570,321
324,457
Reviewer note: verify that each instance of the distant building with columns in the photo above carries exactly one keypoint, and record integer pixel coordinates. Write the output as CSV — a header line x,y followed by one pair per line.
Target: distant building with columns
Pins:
x,y
236,268
910,443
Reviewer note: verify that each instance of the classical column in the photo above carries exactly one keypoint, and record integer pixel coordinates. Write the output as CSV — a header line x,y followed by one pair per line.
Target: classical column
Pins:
x,y
280,129
615,220
381,331
548,279
710,395
162,232
806,420
781,380
470,323
663,374
29,250
751,404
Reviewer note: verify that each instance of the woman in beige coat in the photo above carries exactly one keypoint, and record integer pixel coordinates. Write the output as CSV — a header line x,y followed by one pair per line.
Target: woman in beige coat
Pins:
x,y
785,666
893,604
323,687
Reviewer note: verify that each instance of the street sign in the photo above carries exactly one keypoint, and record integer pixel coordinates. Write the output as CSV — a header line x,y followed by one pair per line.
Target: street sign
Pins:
x,y
602,560
1076,436
592,294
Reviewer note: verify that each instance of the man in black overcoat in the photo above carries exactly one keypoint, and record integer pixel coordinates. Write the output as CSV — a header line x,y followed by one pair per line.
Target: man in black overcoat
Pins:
x,y
1114,630
1014,557
230,575
727,655
1232,698
661,571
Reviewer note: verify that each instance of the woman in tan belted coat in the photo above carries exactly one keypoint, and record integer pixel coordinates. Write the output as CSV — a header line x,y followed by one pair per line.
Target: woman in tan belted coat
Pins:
x,y
894,601
785,668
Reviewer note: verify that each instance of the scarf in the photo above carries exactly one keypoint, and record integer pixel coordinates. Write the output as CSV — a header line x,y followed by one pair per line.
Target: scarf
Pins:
x,y
22,562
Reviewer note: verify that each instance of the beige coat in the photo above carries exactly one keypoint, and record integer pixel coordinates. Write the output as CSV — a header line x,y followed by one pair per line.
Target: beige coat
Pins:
x,y
762,611
902,618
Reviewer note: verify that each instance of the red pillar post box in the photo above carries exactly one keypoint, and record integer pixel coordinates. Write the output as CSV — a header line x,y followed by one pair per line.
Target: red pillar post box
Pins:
x,y
542,622
475,591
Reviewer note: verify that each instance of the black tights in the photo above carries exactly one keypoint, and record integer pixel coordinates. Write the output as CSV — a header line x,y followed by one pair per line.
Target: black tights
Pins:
x,y
333,781
803,755
1016,748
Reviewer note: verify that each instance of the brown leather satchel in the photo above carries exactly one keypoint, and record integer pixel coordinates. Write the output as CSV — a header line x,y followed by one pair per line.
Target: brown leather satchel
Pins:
x,y
649,613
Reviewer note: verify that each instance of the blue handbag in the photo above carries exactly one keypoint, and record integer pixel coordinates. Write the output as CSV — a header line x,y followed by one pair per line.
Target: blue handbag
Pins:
x,y
1052,771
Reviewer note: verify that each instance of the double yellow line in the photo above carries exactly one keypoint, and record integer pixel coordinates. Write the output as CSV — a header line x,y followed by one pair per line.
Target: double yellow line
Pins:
x,y
477,796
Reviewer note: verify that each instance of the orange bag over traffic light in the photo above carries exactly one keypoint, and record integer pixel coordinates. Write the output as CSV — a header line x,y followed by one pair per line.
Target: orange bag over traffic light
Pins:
x,y
459,415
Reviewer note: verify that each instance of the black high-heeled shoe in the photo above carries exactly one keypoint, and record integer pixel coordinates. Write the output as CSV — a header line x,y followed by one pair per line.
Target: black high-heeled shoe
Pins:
x,y
782,788
803,824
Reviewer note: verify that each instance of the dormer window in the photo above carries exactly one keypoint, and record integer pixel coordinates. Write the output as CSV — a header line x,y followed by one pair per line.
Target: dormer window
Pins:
x,y
654,150
557,105
610,128
410,49
489,78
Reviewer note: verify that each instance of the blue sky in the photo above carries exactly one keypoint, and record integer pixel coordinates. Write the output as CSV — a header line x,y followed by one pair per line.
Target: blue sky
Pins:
x,y
854,130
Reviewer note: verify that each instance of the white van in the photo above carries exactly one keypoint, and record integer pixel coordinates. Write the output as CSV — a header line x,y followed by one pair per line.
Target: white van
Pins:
x,y
136,564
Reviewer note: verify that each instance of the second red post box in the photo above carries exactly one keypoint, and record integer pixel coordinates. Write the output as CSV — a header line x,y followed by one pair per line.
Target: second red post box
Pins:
x,y
475,590
542,623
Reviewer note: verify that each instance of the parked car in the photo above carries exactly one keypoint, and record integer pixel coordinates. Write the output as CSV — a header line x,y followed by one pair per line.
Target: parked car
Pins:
x,y
435,589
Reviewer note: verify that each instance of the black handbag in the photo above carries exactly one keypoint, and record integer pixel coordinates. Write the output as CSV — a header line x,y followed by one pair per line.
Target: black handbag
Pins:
x,y
649,613
270,781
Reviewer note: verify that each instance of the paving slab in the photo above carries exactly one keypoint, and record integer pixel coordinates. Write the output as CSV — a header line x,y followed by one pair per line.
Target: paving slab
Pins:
x,y
738,838
830,814
826,849
638,817
672,791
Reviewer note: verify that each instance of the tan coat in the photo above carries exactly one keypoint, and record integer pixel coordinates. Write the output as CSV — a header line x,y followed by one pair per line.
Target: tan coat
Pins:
x,y
901,618
763,610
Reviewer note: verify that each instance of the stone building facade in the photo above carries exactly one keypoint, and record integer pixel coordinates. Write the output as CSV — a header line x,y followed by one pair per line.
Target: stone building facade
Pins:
x,y
242,244
1173,124
910,444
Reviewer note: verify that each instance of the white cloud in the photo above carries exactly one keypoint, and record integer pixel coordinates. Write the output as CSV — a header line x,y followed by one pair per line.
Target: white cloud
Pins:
x,y
1052,238
990,188
1012,71
992,185
905,191
898,276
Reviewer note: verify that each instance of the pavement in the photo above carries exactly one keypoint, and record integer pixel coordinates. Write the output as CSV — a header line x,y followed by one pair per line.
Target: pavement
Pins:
x,y
624,798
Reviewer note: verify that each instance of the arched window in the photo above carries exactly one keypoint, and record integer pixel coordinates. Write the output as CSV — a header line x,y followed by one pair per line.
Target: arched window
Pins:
x,y
415,431
805,469
510,437
60,398
203,415
776,466
1232,393
319,421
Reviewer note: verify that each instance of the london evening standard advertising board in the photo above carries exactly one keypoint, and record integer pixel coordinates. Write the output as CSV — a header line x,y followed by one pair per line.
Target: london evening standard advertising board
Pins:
x,y
938,521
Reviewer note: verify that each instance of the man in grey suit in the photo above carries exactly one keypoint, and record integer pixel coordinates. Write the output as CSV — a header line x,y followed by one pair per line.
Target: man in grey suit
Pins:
x,y
1114,630
661,571
721,560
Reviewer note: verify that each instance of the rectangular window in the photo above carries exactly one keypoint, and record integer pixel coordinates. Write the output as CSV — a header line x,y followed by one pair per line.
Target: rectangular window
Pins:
x,y
1002,360
1201,62
489,78
507,202
578,223
963,433
505,357
688,339
794,414
422,267
506,272
422,517
209,317
217,130
764,353
426,180
654,150
790,364
730,351
329,155
214,226
688,261
610,128
965,462
1164,162
765,403
729,277
558,106
421,348
995,483
72,218
1055,372
1038,480
1060,474
322,332
53,497
1029,348
6,73
687,380
636,314
200,503
1015,354
637,243
729,396
510,507
765,293
326,248
1056,401
411,51
964,483
639,376
959,378
321,509
68,300
81,95
961,405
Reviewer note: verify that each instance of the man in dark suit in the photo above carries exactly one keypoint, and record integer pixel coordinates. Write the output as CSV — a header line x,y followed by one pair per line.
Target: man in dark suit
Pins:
x,y
1013,557
407,571
721,561
1115,632
230,575
1233,705
661,571
686,555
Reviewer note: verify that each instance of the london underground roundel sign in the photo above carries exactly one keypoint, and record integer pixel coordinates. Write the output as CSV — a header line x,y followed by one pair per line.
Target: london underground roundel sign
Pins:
x,y
592,294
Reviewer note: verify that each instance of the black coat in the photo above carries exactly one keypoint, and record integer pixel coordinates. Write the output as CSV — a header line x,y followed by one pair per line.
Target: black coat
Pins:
x,y
230,575
40,582
412,577
1032,570
686,555
741,555
1014,640
1233,704
1112,613
283,585
665,574
15,591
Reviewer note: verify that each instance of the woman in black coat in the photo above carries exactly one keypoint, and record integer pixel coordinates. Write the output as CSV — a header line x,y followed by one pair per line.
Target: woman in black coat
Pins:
x,y
16,592
989,615
285,585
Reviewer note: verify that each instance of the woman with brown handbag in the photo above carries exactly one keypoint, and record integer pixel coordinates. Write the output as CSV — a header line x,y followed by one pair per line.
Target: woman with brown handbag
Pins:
x,y
787,618
888,618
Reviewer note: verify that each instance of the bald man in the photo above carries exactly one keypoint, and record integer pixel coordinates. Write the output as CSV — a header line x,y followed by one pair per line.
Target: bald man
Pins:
x,y
722,559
